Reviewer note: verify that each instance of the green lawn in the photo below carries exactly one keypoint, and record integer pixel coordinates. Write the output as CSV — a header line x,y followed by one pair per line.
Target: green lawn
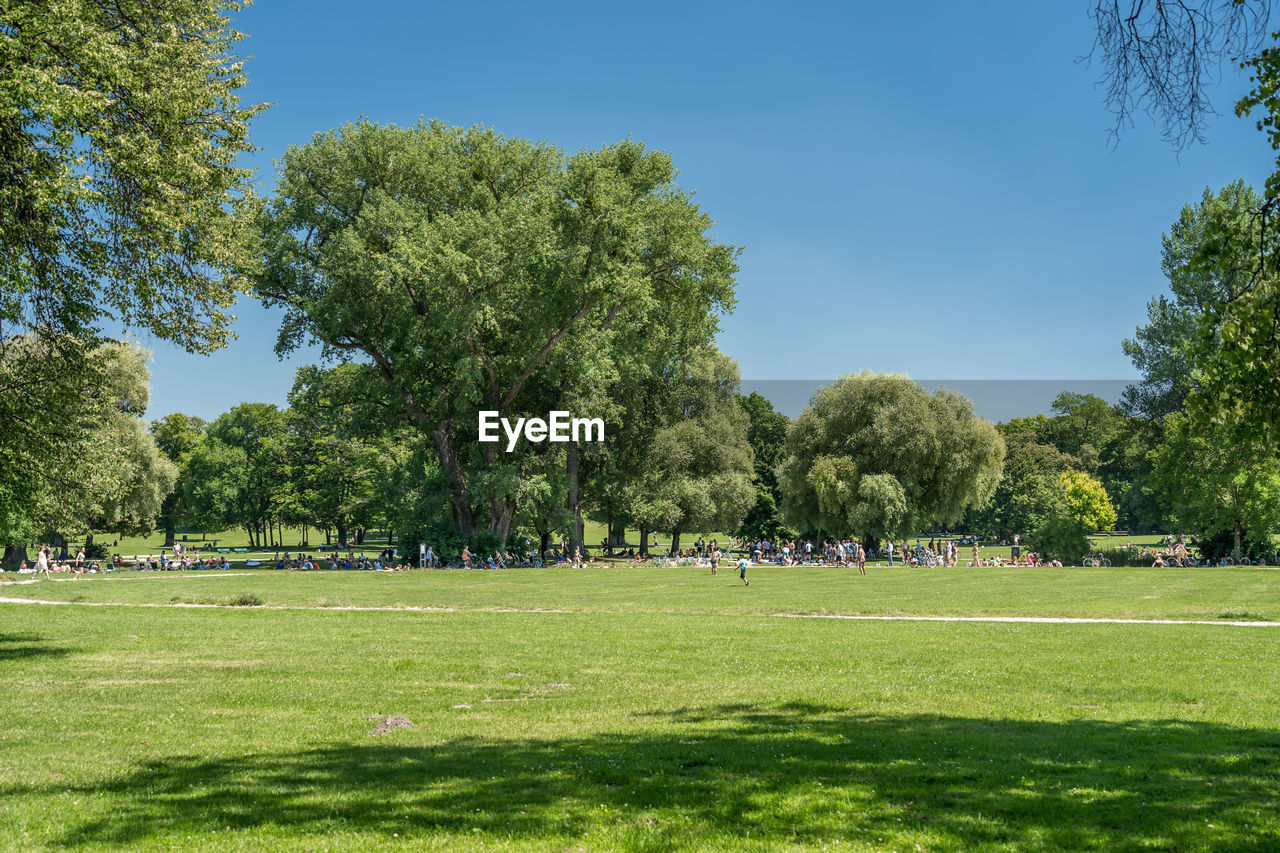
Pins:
x,y
658,709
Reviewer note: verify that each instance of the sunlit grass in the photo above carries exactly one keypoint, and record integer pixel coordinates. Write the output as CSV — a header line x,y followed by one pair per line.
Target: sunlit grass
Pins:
x,y
665,710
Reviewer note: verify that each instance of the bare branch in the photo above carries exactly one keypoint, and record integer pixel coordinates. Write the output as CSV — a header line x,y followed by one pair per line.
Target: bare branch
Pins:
x,y
1160,57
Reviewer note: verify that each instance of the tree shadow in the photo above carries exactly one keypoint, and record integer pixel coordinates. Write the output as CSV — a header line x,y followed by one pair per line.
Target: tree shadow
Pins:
x,y
794,774
24,646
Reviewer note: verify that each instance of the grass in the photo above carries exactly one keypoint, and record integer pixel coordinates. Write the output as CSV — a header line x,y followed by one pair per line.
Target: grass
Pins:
x,y
665,709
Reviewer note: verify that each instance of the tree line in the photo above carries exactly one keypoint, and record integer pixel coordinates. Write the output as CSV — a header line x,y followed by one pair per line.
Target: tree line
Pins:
x,y
450,269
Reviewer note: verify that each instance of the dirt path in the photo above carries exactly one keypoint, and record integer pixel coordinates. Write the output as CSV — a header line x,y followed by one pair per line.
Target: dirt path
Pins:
x,y
1034,620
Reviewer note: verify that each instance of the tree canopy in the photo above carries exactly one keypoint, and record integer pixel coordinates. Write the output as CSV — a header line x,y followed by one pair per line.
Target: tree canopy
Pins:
x,y
477,271
119,130
879,456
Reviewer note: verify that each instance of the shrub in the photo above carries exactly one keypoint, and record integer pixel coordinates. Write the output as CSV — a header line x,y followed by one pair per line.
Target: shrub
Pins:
x,y
445,539
1254,548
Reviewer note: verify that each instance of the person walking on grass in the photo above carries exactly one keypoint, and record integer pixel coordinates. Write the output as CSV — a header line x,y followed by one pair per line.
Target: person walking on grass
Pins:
x,y
742,571
79,562
42,561
715,559
862,558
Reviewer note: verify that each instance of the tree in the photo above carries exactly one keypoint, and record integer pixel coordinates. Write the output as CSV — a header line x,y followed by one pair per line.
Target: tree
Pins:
x,y
767,434
238,473
1080,505
1157,56
1027,493
176,435
879,456
38,453
1086,501
104,471
464,265
701,475
119,131
1168,350
338,439
1218,481
1083,425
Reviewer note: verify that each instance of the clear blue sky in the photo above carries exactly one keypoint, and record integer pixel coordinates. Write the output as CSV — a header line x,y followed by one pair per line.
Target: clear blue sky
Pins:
x,y
919,187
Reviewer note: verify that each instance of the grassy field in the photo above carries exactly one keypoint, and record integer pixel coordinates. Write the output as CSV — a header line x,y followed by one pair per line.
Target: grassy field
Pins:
x,y
643,709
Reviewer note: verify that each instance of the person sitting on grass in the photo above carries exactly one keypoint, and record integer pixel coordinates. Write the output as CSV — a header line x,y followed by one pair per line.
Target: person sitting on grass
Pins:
x,y
1159,562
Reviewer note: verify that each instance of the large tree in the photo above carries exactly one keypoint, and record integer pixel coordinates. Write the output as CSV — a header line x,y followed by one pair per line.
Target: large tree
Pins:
x,y
1180,334
238,473
465,265
1027,492
101,469
879,456
1219,482
701,475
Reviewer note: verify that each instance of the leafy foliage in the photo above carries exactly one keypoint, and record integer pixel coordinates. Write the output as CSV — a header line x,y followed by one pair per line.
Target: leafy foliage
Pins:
x,y
119,130
1218,480
878,456
477,272
1086,501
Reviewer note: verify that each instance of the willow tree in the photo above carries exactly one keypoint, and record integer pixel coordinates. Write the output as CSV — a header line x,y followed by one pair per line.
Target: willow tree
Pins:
x,y
879,456
468,267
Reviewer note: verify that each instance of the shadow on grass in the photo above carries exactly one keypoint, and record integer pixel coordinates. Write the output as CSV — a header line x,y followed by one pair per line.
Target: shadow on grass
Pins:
x,y
793,774
24,646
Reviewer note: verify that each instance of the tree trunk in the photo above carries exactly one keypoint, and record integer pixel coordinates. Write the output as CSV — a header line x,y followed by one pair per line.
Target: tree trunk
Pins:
x,y
502,513
675,541
617,534
644,541
14,554
1235,548
544,542
574,501
451,466
391,537
170,520
360,537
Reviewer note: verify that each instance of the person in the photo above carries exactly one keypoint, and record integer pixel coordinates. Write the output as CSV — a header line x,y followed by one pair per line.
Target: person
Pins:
x,y
466,557
715,560
862,558
889,547
79,562
742,571
975,552
42,560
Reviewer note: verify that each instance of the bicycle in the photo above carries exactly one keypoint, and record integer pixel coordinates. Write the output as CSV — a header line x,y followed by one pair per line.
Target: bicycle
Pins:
x,y
1095,561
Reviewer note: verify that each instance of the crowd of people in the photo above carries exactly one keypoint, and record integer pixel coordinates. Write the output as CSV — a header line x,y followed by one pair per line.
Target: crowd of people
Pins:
x,y
937,551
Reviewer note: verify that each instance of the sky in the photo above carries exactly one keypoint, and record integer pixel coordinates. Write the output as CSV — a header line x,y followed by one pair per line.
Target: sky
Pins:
x,y
925,188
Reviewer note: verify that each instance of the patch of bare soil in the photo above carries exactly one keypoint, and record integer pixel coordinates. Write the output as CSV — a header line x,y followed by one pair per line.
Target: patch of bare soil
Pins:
x,y
387,724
